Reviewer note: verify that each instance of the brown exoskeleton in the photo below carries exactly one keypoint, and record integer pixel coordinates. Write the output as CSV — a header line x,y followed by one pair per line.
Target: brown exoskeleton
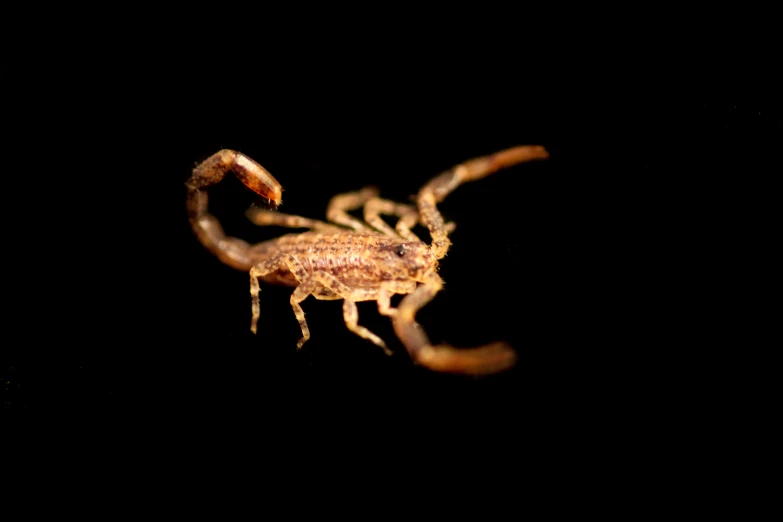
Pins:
x,y
354,261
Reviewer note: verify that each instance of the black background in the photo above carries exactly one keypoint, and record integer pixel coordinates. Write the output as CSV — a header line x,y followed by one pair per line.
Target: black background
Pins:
x,y
573,261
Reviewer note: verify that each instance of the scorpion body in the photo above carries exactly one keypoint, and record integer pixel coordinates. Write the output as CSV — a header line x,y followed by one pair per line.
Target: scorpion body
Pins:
x,y
353,260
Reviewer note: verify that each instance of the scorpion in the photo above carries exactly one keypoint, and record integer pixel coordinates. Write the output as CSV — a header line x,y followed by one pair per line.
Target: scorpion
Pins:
x,y
352,260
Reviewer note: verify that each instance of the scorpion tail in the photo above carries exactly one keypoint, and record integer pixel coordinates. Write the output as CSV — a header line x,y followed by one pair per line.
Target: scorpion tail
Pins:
x,y
231,251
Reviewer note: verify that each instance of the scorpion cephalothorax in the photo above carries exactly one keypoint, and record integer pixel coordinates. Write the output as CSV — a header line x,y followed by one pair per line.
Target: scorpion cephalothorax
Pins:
x,y
354,260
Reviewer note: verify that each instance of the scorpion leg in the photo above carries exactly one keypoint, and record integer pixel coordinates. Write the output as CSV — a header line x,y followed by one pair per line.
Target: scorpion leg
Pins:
x,y
305,288
441,186
310,283
232,251
263,217
387,290
340,205
300,294
408,215
350,312
351,316
257,271
484,360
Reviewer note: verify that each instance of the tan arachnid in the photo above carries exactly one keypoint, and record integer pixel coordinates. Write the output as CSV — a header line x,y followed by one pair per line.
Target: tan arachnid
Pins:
x,y
354,261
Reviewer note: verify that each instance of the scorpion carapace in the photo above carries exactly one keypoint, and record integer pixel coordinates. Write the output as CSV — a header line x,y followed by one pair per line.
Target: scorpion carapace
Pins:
x,y
353,260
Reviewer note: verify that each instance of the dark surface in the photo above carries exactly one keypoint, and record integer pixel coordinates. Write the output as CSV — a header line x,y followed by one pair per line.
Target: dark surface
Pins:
x,y
568,260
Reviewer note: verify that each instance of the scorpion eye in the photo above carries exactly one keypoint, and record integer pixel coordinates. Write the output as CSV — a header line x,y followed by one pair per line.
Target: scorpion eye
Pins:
x,y
400,250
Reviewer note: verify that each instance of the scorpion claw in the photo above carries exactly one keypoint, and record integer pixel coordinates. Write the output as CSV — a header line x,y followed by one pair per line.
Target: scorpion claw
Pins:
x,y
492,358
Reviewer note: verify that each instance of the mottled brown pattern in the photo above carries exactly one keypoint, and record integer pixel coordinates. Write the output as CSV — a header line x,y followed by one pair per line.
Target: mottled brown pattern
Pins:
x,y
359,259
365,261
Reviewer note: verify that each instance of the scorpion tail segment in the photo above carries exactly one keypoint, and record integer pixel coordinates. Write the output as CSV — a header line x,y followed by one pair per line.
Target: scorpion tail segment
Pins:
x,y
492,358
253,175
258,179
231,251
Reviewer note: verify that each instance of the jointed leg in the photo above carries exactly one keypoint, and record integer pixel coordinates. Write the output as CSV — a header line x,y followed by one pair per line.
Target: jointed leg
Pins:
x,y
340,205
351,316
387,290
263,217
307,287
350,295
407,214
258,271
350,313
